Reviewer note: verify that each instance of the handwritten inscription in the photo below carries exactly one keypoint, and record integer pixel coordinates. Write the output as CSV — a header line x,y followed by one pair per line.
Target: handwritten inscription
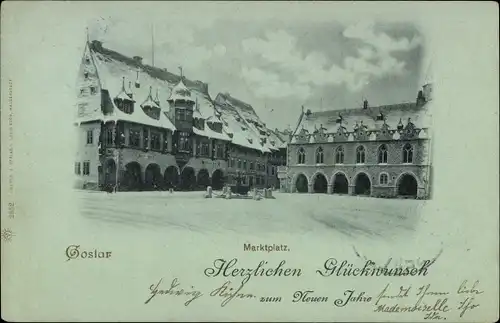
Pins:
x,y
75,252
229,293
434,304
174,290
190,294
469,292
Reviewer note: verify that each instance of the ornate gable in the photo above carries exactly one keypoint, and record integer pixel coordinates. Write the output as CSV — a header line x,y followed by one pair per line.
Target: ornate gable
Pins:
x,y
409,131
303,136
320,134
385,133
361,132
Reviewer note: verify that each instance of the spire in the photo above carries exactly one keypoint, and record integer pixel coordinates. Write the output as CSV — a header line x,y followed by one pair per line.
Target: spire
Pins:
x,y
157,99
130,88
152,46
150,96
137,82
180,69
123,84
88,36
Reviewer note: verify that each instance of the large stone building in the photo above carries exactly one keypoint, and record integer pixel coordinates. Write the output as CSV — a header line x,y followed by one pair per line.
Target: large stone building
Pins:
x,y
381,151
142,128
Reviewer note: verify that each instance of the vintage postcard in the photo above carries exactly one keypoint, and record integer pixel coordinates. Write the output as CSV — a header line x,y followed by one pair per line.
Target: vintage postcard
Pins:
x,y
249,161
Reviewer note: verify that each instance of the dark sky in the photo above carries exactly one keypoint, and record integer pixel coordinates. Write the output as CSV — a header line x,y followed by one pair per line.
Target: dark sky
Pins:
x,y
277,65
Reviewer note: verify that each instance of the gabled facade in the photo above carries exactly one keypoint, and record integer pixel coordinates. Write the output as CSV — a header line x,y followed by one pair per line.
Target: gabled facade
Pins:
x,y
381,151
144,128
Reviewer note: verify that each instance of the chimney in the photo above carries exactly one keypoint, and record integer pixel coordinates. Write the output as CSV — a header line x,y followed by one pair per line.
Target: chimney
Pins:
x,y
138,59
365,104
97,44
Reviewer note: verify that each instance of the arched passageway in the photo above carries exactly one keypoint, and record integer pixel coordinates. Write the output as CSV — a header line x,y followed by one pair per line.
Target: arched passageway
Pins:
x,y
407,186
188,179
152,178
203,178
132,180
217,179
362,185
301,184
320,184
171,178
340,184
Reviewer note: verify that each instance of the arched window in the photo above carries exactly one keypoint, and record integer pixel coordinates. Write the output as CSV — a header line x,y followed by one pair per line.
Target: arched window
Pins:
x,y
383,179
339,155
302,156
382,154
360,155
319,155
407,154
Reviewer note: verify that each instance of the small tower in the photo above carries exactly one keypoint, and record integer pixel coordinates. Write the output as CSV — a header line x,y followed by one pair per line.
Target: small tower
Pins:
x,y
181,106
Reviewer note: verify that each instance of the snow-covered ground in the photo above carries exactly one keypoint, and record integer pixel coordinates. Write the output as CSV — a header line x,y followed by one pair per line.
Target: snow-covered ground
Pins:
x,y
319,214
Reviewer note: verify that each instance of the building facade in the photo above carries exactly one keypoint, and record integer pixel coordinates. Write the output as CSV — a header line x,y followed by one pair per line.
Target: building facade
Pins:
x,y
143,128
382,151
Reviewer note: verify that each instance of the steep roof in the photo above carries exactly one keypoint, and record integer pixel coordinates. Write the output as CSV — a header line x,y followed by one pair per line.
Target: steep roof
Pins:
x,y
244,114
114,68
238,118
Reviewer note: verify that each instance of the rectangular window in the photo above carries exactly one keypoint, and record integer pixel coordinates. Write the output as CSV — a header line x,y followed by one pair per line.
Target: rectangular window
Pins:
x,y
155,140
220,151
134,138
181,114
251,166
204,148
90,137
244,164
86,168
272,170
183,142
77,168
239,163
109,136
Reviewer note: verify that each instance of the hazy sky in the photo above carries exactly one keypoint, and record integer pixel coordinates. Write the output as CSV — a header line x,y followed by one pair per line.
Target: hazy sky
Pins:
x,y
276,65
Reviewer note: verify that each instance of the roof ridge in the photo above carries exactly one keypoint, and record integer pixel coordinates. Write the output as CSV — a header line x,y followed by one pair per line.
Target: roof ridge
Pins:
x,y
153,71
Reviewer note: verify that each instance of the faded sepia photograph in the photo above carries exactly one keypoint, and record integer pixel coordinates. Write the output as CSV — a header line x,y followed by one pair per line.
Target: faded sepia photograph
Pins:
x,y
249,161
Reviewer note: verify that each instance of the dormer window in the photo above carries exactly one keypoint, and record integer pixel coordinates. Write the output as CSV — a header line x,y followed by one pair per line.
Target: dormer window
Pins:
x,y
87,60
380,117
86,75
82,91
93,90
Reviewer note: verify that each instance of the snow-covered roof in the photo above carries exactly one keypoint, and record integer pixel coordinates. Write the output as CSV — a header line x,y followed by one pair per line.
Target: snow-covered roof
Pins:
x,y
371,118
244,117
115,69
180,92
149,101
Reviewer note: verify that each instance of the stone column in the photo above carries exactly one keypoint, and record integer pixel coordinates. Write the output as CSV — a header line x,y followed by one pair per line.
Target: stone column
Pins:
x,y
210,147
330,189
169,140
149,138
310,188
194,146
350,190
